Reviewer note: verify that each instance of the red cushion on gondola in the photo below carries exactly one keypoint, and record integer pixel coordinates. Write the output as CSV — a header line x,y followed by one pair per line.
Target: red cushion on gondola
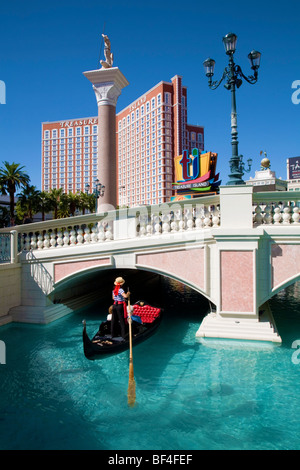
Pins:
x,y
146,312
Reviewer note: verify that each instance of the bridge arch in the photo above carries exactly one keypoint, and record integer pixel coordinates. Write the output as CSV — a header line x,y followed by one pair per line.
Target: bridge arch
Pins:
x,y
97,282
285,266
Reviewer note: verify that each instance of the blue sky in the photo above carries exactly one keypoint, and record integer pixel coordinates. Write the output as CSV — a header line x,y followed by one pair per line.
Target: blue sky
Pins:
x,y
45,47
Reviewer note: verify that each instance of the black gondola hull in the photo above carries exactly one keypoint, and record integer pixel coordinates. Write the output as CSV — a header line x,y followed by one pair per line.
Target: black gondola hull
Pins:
x,y
93,350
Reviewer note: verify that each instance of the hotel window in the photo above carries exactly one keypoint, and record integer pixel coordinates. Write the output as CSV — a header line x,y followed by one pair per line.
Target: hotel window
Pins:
x,y
86,130
153,103
159,99
147,107
70,132
54,134
95,129
46,134
78,130
62,133
167,98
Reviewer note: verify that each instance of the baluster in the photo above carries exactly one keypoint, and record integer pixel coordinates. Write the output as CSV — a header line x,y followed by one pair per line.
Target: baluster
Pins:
x,y
94,235
79,236
33,242
66,238
101,232
46,241
286,215
53,240
149,227
277,216
72,238
87,235
59,238
27,242
258,218
268,216
143,221
40,241
189,219
296,215
108,232
157,227
199,217
165,218
175,220
216,217
207,218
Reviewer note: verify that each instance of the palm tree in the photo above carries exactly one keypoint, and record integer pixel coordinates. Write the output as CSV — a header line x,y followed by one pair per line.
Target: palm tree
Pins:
x,y
29,201
86,201
73,201
45,204
55,196
63,210
12,177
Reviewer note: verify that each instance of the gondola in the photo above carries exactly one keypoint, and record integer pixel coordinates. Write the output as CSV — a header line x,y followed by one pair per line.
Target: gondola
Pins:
x,y
145,321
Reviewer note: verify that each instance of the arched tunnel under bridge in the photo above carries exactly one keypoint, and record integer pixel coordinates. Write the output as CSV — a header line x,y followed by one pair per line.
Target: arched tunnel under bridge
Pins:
x,y
158,290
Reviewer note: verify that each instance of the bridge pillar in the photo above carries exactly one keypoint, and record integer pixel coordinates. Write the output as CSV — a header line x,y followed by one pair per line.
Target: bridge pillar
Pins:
x,y
107,84
239,314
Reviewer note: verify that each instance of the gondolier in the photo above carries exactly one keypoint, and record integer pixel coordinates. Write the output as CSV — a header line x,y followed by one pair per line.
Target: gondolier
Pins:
x,y
119,308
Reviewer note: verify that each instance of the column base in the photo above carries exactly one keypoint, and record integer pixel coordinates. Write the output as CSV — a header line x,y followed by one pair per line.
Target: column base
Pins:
x,y
264,329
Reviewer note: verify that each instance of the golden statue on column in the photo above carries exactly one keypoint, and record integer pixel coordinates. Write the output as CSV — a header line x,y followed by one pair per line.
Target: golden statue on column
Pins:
x,y
108,62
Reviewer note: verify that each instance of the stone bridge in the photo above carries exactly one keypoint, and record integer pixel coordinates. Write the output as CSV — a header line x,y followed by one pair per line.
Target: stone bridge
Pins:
x,y
237,249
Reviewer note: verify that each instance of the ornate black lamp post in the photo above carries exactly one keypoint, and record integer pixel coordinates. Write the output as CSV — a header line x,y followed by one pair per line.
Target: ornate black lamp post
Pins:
x,y
233,75
97,192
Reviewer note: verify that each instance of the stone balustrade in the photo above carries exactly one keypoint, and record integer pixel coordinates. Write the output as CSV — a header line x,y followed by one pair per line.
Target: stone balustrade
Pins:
x,y
269,208
149,221
276,208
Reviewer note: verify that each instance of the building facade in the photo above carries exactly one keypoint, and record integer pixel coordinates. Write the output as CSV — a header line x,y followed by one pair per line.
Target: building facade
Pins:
x,y
150,133
69,154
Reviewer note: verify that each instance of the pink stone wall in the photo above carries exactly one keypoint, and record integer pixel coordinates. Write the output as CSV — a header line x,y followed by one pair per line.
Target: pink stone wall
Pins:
x,y
285,261
187,265
236,271
62,270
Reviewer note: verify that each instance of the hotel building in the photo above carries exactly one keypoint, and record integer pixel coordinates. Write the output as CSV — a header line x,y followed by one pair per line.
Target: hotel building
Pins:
x,y
69,154
150,132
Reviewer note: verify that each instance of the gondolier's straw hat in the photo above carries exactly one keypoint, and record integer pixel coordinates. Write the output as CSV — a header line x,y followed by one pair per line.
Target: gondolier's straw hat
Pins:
x,y
119,280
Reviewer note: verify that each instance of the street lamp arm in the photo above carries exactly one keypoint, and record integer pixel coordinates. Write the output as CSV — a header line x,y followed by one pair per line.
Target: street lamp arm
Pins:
x,y
252,79
214,85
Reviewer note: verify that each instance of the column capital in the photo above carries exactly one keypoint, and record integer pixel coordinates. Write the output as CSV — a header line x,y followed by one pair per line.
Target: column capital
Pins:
x,y
107,84
106,93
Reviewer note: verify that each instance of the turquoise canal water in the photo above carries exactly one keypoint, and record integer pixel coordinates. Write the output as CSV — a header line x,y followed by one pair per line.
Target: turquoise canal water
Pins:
x,y
223,395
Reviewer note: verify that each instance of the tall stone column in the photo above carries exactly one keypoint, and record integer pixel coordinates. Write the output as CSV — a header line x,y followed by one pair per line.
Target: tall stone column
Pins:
x,y
107,84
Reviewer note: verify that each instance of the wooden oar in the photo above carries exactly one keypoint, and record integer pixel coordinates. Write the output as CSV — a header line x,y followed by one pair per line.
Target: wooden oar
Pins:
x,y
131,382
